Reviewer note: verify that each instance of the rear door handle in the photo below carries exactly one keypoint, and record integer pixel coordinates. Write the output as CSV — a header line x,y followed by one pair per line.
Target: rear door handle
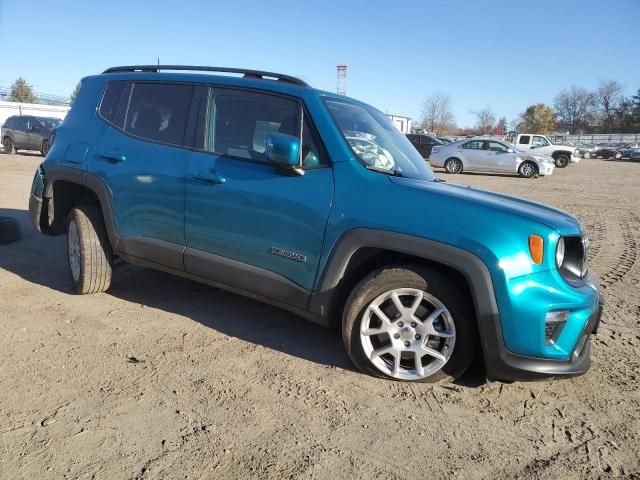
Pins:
x,y
209,176
114,155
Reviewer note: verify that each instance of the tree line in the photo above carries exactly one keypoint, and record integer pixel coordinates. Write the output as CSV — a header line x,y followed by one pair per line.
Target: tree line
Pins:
x,y
574,110
22,92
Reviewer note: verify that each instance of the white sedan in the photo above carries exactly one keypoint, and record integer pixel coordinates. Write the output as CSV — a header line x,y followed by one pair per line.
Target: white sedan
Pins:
x,y
487,155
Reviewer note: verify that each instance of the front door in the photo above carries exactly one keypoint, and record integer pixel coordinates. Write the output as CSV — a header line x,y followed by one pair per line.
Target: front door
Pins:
x,y
501,159
248,224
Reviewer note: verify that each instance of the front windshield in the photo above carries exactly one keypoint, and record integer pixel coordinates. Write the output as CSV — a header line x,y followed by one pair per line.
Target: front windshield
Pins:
x,y
376,142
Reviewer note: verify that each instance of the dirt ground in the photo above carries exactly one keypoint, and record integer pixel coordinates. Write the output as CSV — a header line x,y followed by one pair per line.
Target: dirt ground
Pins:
x,y
162,377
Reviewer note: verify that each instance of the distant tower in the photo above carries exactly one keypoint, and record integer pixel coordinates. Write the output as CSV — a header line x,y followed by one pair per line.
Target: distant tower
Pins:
x,y
342,79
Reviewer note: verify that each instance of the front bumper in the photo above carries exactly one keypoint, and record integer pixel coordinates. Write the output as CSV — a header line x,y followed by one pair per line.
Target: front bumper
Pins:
x,y
503,365
530,298
546,169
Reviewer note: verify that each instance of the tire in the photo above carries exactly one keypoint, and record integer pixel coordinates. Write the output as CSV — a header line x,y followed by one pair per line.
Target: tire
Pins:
x,y
562,160
88,251
528,169
453,165
8,146
9,230
45,148
437,291
586,155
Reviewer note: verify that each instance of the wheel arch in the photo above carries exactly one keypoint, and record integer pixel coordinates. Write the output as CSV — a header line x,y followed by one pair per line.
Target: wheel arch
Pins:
x,y
67,187
362,250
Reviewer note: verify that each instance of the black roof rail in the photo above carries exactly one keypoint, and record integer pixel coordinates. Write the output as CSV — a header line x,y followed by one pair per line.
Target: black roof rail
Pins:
x,y
197,68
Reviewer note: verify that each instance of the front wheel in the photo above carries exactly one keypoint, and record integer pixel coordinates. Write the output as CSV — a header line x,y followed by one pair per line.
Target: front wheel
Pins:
x,y
562,160
453,165
528,169
409,323
88,250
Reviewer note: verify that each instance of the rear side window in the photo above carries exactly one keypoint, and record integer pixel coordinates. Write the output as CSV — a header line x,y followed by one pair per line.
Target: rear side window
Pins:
x,y
159,112
474,145
524,140
111,99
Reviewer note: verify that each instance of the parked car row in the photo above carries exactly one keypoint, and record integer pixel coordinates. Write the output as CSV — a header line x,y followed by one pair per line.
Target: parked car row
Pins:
x,y
609,150
27,132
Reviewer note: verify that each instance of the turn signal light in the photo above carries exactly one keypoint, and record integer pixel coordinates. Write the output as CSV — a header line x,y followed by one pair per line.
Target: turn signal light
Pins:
x,y
536,248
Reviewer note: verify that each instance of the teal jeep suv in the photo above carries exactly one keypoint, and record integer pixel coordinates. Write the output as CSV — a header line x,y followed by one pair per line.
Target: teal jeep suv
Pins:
x,y
316,203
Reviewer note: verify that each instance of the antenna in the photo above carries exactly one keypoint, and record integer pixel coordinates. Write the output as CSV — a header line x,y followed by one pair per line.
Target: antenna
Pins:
x,y
342,79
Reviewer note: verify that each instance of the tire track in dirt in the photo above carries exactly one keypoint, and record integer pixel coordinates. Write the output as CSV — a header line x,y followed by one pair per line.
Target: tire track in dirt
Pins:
x,y
628,258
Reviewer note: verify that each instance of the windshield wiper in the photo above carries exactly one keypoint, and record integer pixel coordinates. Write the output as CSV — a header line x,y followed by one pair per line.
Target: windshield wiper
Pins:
x,y
393,173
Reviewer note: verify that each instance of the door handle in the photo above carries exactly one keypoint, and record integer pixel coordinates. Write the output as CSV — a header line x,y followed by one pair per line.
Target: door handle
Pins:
x,y
209,176
114,155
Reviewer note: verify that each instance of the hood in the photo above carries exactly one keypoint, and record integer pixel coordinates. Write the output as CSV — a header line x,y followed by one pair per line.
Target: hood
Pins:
x,y
563,222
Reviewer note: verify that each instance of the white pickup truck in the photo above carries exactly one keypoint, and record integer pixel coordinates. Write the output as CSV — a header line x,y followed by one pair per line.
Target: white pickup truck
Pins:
x,y
562,154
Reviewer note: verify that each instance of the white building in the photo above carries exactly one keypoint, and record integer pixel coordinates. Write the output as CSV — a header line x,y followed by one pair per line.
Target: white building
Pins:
x,y
8,109
402,123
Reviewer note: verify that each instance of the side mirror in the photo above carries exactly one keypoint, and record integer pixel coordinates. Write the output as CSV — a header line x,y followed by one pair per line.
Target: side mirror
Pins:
x,y
509,150
284,151
35,128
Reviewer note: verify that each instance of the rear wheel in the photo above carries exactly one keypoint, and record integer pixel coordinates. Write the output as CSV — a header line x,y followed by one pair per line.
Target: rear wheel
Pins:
x,y
409,323
562,160
8,146
88,250
528,169
453,165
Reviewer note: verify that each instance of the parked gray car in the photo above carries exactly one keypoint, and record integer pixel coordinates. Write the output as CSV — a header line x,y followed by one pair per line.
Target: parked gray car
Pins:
x,y
631,151
488,155
27,132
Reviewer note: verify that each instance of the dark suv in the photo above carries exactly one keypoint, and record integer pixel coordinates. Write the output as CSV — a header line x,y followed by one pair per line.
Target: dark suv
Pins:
x,y
27,132
424,143
318,204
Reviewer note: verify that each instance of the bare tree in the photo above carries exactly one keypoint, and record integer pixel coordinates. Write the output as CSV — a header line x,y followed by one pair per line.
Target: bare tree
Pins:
x,y
608,95
485,119
574,107
437,116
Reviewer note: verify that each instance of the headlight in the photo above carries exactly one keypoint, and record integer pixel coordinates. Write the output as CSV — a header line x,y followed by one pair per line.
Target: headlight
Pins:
x,y
560,252
571,258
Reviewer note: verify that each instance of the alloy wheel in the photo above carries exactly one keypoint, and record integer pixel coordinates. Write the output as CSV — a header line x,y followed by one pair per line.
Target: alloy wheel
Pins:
x,y
407,334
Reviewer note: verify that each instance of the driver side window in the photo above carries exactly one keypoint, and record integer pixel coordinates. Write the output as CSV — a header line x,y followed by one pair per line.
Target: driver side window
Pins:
x,y
497,147
540,141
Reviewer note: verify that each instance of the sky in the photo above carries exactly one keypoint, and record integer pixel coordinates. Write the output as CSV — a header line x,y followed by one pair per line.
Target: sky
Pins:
x,y
505,55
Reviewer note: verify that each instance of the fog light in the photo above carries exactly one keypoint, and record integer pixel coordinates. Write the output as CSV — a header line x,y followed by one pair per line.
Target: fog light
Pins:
x,y
554,322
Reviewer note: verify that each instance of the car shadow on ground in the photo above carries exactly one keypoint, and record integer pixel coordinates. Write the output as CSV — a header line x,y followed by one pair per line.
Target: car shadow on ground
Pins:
x,y
41,260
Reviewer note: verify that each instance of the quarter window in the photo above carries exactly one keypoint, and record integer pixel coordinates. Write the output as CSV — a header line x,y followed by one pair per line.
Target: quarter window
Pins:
x,y
524,139
159,112
110,100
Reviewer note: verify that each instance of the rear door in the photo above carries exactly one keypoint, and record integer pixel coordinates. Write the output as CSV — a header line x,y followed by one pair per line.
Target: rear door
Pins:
x,y
473,155
20,135
248,224
142,159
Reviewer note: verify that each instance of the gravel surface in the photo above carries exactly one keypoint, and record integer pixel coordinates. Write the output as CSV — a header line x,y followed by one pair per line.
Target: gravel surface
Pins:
x,y
162,377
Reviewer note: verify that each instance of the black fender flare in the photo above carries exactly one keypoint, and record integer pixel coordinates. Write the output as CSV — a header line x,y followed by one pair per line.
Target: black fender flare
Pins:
x,y
89,181
469,265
